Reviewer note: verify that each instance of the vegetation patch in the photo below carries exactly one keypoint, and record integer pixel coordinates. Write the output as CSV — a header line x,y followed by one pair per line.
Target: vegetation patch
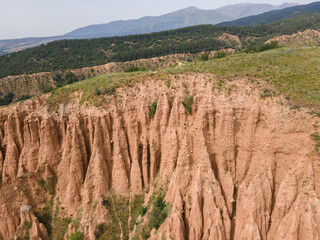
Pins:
x,y
60,227
204,56
49,184
294,72
118,209
220,54
93,88
159,213
188,101
160,210
262,47
266,93
27,224
153,109
7,99
316,138
135,209
76,236
44,215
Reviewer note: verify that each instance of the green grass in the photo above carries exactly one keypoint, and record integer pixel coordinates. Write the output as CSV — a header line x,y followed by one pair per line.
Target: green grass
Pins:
x,y
135,206
94,88
294,72
118,208
76,236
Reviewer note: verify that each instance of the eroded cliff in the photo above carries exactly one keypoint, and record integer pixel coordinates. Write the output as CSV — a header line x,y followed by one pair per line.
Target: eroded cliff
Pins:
x,y
217,160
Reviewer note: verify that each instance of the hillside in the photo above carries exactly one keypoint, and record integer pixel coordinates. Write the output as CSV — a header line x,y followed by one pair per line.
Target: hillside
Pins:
x,y
182,18
72,54
249,9
179,19
275,15
224,148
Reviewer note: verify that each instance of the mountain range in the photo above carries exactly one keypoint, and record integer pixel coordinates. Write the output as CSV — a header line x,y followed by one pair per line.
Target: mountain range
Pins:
x,y
182,18
275,15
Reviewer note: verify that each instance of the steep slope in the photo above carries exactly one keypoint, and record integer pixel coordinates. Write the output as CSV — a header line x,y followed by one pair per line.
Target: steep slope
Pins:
x,y
276,15
303,38
193,155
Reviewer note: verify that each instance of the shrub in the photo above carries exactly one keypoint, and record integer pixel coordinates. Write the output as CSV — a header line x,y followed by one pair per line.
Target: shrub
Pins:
x,y
76,236
27,224
70,77
97,91
187,102
220,54
153,109
143,210
262,47
158,214
204,56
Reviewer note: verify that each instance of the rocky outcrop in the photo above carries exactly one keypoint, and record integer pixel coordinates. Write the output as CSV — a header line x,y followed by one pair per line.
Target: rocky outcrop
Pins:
x,y
308,37
237,167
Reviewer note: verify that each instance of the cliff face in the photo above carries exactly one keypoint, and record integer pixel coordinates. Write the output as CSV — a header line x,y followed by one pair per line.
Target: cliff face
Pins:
x,y
238,167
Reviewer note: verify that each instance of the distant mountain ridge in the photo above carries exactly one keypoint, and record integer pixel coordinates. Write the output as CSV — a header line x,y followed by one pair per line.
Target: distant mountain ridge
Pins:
x,y
182,18
248,9
275,15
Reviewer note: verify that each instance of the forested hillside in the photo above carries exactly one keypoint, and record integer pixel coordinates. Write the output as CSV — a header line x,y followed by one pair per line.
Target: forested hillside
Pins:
x,y
72,54
275,15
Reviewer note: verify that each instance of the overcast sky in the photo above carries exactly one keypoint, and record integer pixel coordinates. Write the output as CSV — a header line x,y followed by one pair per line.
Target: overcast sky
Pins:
x,y
31,18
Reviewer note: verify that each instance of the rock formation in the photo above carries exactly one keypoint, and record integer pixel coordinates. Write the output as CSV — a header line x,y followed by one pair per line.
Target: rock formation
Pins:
x,y
237,167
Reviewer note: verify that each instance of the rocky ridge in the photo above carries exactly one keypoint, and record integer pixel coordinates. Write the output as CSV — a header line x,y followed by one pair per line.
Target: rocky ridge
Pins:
x,y
308,37
231,163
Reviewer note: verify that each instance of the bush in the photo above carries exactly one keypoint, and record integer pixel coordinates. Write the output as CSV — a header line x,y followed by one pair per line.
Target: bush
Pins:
x,y
76,236
204,56
143,210
187,103
70,77
27,225
262,48
220,54
97,91
158,215
153,109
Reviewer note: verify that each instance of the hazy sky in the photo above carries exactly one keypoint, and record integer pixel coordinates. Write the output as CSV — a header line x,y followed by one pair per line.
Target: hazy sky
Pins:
x,y
30,18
